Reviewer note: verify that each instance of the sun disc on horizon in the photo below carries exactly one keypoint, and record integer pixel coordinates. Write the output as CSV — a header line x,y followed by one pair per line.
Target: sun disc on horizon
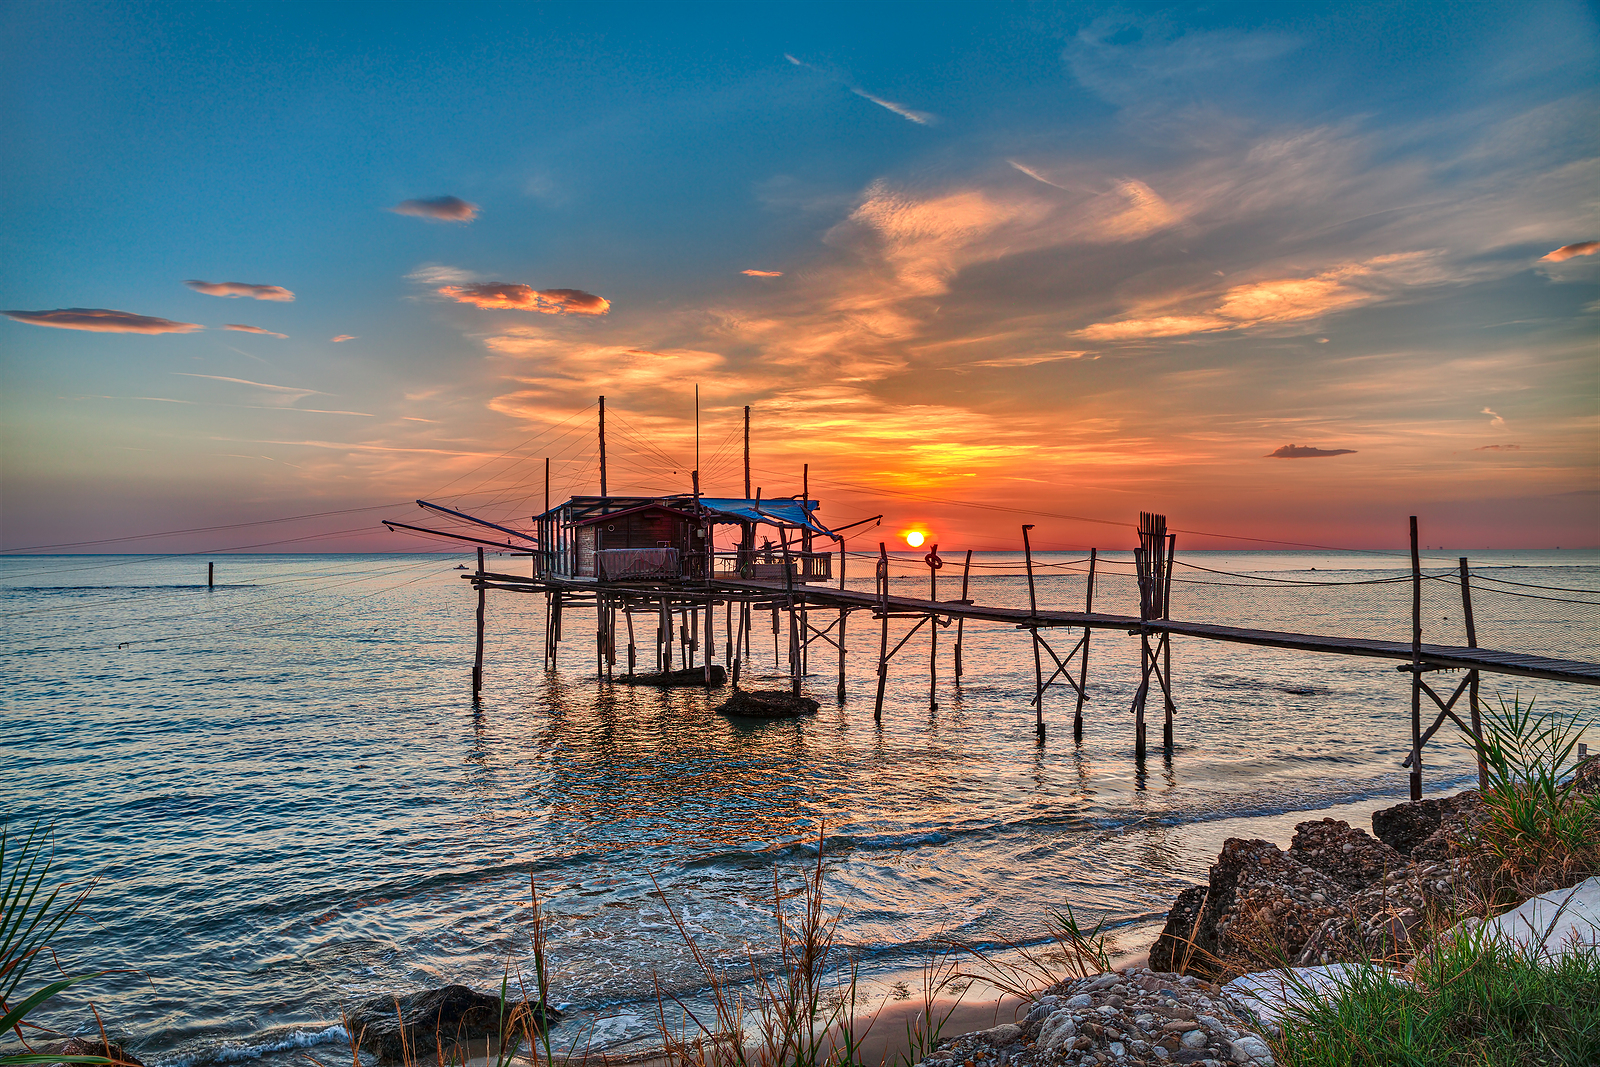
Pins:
x,y
914,538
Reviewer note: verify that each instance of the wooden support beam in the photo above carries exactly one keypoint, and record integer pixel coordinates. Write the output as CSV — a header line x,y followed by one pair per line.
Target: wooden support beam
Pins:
x,y
961,623
933,631
1166,647
1083,670
477,659
844,615
1472,676
883,644
1038,665
1416,665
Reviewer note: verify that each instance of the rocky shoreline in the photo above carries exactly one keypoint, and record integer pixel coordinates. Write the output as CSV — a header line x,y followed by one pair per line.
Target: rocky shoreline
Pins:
x,y
1337,893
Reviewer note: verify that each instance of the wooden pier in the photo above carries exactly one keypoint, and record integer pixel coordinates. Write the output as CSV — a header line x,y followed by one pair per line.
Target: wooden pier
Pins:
x,y
655,558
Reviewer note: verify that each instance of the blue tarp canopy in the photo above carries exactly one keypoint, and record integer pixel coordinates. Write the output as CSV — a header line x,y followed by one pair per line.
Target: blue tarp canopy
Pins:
x,y
779,512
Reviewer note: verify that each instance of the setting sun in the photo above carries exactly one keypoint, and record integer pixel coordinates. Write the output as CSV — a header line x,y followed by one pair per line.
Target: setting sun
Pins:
x,y
914,538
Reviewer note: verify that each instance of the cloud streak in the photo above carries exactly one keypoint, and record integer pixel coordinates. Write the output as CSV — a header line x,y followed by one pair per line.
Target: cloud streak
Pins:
x,y
1582,248
1306,452
921,118
514,296
762,273
438,208
234,290
340,338
241,328
102,320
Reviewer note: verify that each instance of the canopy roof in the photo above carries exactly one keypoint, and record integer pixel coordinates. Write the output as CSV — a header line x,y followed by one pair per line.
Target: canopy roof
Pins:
x,y
780,512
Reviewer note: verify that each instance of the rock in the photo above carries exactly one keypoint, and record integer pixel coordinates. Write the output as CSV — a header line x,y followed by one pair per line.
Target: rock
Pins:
x,y
1379,921
1195,1038
1406,827
1270,996
767,704
1586,779
1059,1029
1550,925
1251,1049
1082,1000
1351,857
85,1046
422,1023
1003,1035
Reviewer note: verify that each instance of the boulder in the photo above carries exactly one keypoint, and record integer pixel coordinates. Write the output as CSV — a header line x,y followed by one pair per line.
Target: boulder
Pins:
x,y
95,1046
1551,925
1440,824
1272,996
415,1027
1380,921
1350,857
1172,950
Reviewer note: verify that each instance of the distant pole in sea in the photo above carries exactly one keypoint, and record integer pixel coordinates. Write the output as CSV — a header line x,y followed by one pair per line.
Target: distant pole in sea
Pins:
x,y
477,661
747,451
211,575
602,446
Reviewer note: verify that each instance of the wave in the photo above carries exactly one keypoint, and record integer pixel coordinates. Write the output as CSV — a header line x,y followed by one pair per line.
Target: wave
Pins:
x,y
230,1053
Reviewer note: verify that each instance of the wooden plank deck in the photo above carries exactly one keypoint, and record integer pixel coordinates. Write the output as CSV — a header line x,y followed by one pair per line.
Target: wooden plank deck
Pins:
x,y
1451,657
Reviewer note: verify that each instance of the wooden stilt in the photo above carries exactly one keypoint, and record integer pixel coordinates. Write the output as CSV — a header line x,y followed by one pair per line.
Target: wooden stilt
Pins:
x,y
477,659
666,634
933,630
1083,667
710,652
1416,665
961,623
1033,632
1166,647
883,646
632,648
727,634
555,628
1472,676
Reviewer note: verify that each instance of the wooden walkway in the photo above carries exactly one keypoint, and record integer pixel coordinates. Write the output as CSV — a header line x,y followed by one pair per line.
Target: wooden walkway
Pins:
x,y
1452,657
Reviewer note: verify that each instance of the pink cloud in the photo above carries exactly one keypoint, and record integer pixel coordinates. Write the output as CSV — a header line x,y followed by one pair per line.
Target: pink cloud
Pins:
x,y
1582,248
343,337
762,273
102,320
1498,448
514,296
253,329
238,289
442,208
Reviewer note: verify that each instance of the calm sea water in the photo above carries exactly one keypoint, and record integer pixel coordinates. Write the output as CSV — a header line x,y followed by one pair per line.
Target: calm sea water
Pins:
x,y
291,802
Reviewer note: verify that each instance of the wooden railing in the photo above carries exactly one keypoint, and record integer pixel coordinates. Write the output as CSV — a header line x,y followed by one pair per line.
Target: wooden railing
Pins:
x,y
769,565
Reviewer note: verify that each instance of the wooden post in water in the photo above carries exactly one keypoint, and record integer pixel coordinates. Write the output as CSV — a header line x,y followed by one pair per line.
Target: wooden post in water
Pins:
x,y
1033,631
795,653
211,575
1083,666
632,650
883,645
1416,665
1166,646
555,628
664,652
934,564
477,659
844,615
961,623
1472,678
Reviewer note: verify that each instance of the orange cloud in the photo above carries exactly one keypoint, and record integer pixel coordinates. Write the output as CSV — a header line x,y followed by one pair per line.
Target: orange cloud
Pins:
x,y
1582,248
442,208
763,273
102,320
1498,448
342,337
238,289
253,329
514,296
1306,452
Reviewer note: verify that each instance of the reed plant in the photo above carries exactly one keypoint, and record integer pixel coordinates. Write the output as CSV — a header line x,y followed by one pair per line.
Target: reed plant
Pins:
x,y
1072,951
1541,831
32,913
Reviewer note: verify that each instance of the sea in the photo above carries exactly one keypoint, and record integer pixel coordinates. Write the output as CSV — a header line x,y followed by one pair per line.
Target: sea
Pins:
x,y
284,799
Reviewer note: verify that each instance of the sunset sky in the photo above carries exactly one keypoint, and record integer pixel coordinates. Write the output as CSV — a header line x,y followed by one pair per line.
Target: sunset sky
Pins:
x,y
1279,271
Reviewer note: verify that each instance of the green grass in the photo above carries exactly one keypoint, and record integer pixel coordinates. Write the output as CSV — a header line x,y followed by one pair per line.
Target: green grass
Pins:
x,y
1475,1003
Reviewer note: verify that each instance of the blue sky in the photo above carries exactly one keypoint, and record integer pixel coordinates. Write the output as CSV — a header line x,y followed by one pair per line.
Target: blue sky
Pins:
x,y
1084,258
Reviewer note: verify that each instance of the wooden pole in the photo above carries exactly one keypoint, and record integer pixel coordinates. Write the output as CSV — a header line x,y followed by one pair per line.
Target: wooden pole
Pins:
x,y
555,629
1416,665
477,659
1033,610
211,573
747,451
1472,678
961,623
788,592
711,633
664,652
632,648
546,488
1083,666
844,616
933,630
1166,646
883,645
602,446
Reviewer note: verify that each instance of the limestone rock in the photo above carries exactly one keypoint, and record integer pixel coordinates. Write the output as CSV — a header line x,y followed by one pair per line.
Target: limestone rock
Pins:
x,y
1435,823
1552,925
1171,952
423,1023
94,1046
767,704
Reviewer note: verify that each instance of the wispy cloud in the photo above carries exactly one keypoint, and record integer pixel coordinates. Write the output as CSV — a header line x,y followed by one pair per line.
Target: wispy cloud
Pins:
x,y
921,118
1494,418
252,329
102,320
238,289
338,338
439,208
284,394
762,273
1582,248
442,274
1035,175
1306,452
1498,448
514,296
